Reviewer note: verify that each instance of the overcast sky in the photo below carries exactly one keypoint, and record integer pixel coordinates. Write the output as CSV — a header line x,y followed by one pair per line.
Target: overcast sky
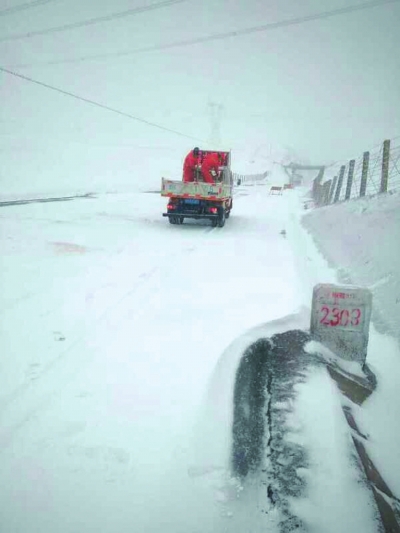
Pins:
x,y
327,88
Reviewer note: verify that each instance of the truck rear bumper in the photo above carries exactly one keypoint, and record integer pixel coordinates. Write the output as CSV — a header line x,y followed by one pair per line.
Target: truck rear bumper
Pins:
x,y
208,216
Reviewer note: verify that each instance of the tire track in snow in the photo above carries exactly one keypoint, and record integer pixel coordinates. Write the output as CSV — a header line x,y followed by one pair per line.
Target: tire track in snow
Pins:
x,y
142,278
54,376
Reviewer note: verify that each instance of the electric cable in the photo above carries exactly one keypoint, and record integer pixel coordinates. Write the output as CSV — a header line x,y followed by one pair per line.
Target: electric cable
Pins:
x,y
22,7
216,36
98,104
90,22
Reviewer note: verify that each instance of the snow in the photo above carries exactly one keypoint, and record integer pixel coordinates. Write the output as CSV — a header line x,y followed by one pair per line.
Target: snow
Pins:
x,y
351,367
365,247
380,414
138,306
360,237
335,486
120,339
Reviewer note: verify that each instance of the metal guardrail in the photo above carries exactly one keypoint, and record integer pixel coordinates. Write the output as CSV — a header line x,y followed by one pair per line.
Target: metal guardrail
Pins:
x,y
248,178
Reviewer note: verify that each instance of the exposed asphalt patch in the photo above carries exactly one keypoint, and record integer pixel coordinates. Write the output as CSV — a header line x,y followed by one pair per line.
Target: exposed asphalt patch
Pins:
x,y
264,391
45,200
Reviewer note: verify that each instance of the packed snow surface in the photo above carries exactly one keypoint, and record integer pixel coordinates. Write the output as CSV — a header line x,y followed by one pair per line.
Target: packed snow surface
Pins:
x,y
120,332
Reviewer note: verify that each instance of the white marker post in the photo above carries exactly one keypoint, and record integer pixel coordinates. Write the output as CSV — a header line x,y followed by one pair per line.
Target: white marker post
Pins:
x,y
340,319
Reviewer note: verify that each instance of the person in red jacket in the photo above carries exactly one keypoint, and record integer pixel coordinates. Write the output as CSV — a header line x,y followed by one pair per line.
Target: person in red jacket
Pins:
x,y
223,159
210,167
190,163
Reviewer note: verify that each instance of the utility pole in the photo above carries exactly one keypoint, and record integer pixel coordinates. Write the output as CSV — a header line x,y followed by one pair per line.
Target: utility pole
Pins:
x,y
215,111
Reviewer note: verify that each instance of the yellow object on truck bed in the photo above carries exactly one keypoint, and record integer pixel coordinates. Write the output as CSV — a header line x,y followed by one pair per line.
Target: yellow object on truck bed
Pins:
x,y
179,189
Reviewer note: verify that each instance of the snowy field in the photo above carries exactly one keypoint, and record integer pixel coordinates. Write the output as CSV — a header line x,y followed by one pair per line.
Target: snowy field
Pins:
x,y
120,339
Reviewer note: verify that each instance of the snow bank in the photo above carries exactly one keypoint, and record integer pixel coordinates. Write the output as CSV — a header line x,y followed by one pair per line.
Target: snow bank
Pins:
x,y
360,239
334,482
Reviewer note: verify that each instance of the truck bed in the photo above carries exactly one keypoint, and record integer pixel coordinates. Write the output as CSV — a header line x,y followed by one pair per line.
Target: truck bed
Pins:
x,y
179,189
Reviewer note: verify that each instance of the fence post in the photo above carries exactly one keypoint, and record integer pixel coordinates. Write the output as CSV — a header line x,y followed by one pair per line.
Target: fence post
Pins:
x,y
364,174
320,175
340,183
315,188
385,165
317,196
350,178
317,185
326,192
333,187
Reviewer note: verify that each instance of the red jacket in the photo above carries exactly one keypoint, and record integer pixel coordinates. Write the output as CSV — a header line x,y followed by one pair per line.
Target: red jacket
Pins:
x,y
211,162
191,160
189,165
224,160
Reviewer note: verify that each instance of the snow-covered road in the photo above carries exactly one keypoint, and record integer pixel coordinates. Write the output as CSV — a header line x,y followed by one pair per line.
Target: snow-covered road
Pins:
x,y
117,329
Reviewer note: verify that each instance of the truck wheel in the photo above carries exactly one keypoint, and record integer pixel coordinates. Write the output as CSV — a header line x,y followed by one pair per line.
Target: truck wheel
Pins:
x,y
222,217
181,219
214,222
229,210
172,220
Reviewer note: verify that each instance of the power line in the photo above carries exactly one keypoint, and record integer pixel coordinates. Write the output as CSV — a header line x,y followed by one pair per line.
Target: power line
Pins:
x,y
22,7
90,22
97,104
217,36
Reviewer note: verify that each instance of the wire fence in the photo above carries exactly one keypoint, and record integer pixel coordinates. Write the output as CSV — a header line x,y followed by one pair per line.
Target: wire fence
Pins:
x,y
374,172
